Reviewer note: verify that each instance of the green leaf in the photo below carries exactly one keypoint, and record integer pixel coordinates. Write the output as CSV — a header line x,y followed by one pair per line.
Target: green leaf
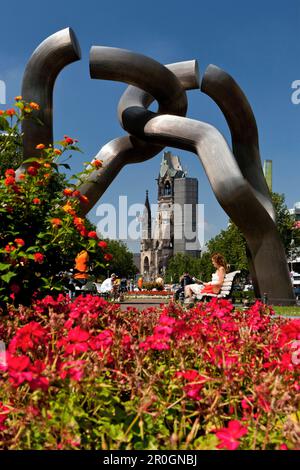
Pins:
x,y
4,266
8,276
4,126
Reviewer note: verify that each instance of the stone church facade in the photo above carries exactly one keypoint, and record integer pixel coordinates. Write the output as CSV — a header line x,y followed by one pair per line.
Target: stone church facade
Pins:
x,y
166,237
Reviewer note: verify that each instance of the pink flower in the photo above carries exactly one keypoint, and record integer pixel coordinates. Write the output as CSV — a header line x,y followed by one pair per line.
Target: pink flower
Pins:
x,y
72,369
229,437
4,412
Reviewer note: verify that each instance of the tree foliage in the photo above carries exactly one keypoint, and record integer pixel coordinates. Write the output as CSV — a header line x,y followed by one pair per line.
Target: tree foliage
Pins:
x,y
231,243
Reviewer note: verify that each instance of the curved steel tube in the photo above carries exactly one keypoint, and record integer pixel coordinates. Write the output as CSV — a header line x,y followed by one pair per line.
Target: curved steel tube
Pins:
x,y
125,150
235,193
227,94
43,67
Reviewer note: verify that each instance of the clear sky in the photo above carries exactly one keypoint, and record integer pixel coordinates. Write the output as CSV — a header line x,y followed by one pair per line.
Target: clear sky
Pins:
x,y
257,42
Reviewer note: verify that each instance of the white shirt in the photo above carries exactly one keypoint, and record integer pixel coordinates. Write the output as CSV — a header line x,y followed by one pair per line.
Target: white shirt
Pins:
x,y
106,285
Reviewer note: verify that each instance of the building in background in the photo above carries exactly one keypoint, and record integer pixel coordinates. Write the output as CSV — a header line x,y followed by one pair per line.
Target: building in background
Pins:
x,y
175,222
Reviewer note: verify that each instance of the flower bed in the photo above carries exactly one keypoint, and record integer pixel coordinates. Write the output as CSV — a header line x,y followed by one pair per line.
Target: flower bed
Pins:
x,y
82,374
149,293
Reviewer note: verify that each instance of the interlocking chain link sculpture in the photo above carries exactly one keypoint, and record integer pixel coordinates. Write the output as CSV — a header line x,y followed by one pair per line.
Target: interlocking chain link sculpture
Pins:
x,y
236,175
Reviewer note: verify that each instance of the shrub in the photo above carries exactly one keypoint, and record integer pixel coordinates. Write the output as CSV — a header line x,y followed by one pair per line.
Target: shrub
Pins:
x,y
41,230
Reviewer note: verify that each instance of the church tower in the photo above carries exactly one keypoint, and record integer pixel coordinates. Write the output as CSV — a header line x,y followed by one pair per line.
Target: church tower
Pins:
x,y
147,255
173,187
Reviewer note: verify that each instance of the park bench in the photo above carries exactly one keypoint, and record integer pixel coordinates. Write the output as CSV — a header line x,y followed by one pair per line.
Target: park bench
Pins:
x,y
226,290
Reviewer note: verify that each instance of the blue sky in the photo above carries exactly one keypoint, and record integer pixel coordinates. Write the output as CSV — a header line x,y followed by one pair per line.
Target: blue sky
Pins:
x,y
256,42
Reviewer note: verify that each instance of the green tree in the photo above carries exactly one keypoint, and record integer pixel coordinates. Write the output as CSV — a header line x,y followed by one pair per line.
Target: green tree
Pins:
x,y
232,245
122,262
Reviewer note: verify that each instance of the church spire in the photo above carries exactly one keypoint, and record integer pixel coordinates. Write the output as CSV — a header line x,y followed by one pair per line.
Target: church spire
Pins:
x,y
146,224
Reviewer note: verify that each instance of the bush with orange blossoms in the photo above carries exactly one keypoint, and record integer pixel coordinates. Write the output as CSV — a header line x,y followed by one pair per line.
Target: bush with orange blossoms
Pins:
x,y
84,374
39,209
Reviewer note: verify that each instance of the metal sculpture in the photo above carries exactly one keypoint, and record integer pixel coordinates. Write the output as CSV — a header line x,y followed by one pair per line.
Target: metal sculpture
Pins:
x,y
42,69
236,178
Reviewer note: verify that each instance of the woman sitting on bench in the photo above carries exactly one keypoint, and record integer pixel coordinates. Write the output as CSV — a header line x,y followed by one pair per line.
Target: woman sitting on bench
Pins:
x,y
213,287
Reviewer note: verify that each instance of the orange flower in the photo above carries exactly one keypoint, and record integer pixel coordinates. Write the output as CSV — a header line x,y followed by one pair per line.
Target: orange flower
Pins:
x,y
68,192
1,112
18,98
10,112
69,209
27,109
22,176
78,221
57,151
34,105
56,222
47,165
36,200
97,163
40,146
47,175
19,241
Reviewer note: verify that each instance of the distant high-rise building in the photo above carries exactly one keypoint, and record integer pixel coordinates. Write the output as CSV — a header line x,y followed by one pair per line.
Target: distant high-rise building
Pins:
x,y
177,209
268,172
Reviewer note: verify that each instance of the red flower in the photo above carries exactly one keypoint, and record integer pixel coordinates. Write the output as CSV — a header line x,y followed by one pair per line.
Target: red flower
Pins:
x,y
9,248
76,193
38,258
4,411
68,140
229,436
28,337
36,200
40,146
19,241
9,181
18,98
57,152
31,170
10,112
10,172
92,234
102,244
108,257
